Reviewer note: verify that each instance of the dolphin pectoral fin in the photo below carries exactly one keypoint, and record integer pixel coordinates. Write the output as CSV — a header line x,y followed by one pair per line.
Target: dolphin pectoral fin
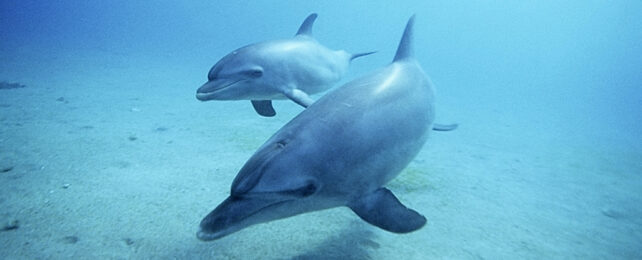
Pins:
x,y
442,127
382,209
299,97
264,107
357,55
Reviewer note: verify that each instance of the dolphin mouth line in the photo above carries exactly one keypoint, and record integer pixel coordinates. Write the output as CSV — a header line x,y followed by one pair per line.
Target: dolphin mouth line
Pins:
x,y
209,94
205,235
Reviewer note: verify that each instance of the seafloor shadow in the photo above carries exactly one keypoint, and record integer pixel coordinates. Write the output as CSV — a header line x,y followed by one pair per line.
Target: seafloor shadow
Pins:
x,y
351,243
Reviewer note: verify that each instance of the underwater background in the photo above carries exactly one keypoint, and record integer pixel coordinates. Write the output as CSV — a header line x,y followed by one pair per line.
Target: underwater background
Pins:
x,y
106,153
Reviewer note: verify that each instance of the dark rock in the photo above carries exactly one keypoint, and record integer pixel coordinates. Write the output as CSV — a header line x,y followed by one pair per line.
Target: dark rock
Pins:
x,y
11,225
7,85
613,213
70,239
63,100
132,138
128,241
6,169
122,164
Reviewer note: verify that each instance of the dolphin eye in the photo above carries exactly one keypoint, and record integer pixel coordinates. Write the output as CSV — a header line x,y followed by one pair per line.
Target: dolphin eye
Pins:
x,y
254,73
305,191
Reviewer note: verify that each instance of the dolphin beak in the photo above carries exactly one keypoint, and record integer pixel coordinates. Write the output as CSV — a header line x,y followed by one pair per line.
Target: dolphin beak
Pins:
x,y
234,214
210,89
204,93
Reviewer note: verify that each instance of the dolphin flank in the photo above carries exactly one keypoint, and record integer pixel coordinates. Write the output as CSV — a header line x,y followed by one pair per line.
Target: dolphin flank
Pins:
x,y
341,151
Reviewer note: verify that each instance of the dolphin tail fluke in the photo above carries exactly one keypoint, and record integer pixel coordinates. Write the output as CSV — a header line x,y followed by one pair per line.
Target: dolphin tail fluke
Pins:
x,y
264,107
382,209
306,26
357,55
405,49
442,127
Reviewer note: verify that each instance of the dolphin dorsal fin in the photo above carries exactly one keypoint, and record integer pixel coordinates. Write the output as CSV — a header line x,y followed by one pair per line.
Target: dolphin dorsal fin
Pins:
x,y
405,49
306,26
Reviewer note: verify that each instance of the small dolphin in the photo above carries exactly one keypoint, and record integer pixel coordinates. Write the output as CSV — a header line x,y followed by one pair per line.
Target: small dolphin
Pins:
x,y
293,68
340,151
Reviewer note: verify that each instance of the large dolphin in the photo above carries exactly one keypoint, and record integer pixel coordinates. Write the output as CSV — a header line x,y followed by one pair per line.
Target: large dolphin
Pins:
x,y
340,151
292,68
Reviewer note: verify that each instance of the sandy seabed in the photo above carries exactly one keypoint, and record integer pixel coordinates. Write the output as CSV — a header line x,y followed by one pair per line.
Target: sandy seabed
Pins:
x,y
107,156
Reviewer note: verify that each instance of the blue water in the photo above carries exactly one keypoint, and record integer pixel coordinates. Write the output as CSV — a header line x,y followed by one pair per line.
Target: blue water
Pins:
x,y
106,153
